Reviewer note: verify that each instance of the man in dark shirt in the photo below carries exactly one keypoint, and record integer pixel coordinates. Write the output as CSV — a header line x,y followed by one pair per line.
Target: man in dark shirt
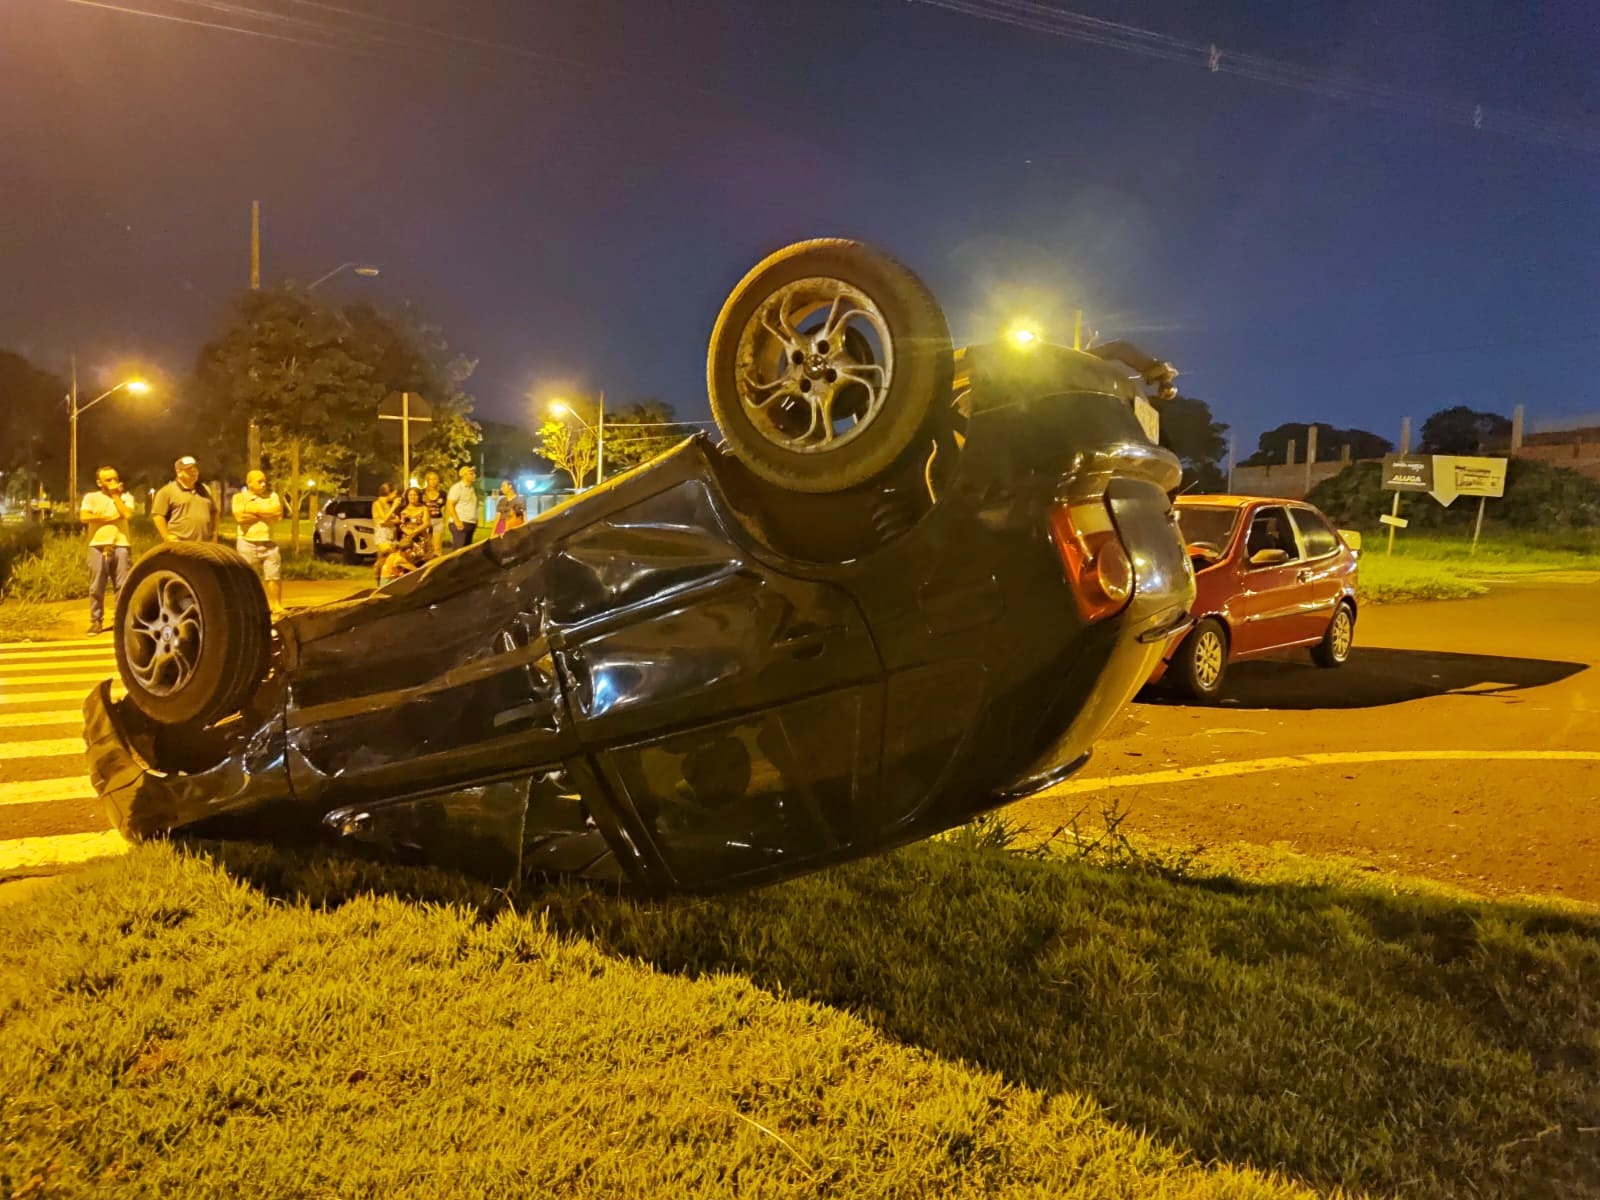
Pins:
x,y
183,510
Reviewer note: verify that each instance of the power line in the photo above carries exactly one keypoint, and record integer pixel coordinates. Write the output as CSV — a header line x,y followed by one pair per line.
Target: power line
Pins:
x,y
1035,17
217,25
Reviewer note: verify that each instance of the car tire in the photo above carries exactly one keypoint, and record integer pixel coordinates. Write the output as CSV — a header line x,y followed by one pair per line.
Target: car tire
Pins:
x,y
318,550
193,633
1334,648
350,555
1201,664
788,386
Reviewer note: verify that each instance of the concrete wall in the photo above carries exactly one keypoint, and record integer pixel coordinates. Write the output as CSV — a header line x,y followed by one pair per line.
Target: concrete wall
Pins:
x,y
1575,454
1287,481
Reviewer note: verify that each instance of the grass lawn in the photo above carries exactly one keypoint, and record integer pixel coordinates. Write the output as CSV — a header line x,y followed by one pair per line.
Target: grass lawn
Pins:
x,y
955,1019
1432,567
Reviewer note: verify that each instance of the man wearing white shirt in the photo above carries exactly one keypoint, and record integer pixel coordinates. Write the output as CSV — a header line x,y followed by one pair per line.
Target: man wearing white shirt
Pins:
x,y
255,509
106,512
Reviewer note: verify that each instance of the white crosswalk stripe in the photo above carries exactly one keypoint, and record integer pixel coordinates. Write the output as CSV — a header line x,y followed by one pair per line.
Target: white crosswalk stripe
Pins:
x,y
43,685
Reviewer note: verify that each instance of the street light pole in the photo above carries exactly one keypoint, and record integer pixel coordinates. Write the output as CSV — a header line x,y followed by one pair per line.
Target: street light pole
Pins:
x,y
72,437
363,269
74,409
600,443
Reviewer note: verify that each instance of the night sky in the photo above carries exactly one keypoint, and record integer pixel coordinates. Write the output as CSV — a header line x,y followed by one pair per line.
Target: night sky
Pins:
x,y
571,193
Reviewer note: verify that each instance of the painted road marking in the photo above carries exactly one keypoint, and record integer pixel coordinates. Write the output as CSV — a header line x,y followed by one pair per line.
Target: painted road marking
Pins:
x,y
66,849
1289,762
48,647
60,716
69,677
16,659
52,697
40,748
45,791
25,672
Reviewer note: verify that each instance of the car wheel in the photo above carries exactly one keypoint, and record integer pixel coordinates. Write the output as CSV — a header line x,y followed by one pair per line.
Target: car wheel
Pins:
x,y
826,365
1201,663
317,548
193,633
1334,648
350,555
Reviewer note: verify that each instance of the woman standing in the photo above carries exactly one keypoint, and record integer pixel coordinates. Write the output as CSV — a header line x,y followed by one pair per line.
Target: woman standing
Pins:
x,y
383,509
509,511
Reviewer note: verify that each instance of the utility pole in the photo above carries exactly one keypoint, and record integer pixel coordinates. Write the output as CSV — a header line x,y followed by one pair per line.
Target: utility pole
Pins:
x,y
600,442
1077,330
72,448
1230,466
252,452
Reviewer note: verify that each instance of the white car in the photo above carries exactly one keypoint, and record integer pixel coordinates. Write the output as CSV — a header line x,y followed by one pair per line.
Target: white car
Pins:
x,y
344,526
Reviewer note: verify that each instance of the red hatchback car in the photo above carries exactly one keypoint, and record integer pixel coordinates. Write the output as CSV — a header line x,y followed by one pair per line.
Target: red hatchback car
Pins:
x,y
1269,575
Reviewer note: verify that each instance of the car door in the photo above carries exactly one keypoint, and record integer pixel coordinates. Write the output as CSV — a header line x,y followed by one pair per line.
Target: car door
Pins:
x,y
732,709
1322,572
1272,592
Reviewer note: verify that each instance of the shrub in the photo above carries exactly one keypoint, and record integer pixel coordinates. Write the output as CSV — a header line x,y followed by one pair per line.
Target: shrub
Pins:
x,y
57,569
1538,497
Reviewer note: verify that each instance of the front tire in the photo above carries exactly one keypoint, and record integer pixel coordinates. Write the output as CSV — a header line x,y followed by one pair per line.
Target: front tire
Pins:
x,y
826,364
1334,648
350,555
193,633
1201,663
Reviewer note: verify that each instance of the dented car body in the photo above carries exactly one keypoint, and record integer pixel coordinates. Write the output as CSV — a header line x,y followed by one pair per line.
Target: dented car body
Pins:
x,y
687,679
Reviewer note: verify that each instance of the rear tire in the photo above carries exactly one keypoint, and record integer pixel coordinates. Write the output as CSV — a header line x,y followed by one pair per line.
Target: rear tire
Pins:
x,y
193,633
815,407
1334,648
350,555
1201,664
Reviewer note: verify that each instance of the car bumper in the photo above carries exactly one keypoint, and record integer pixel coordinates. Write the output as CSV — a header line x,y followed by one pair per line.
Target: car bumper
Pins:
x,y
144,800
1120,653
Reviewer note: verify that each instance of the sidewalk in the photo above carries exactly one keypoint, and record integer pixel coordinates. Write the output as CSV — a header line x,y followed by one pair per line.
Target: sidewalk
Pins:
x,y
72,616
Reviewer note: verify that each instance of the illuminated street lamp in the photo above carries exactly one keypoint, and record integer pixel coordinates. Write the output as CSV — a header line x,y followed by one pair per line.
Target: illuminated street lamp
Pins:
x,y
359,268
137,387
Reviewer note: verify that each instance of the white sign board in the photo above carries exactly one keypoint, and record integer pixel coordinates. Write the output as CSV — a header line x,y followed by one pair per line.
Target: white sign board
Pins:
x,y
1457,475
1397,522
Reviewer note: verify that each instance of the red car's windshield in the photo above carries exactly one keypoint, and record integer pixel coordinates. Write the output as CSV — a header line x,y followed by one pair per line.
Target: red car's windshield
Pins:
x,y
1210,525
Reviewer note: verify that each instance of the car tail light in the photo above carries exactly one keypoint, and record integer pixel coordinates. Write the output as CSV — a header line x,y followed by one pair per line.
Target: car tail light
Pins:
x,y
1093,557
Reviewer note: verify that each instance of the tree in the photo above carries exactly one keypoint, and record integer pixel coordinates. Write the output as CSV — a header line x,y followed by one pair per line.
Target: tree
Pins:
x,y
1272,447
638,432
1199,440
569,445
409,355
33,428
303,468
1463,430
294,368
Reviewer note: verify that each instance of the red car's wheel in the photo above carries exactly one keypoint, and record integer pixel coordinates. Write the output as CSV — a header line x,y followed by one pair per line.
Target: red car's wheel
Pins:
x,y
1334,648
1201,663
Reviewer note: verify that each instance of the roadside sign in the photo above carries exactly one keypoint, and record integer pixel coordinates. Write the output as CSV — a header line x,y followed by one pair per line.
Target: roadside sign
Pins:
x,y
1457,475
1397,522
1408,472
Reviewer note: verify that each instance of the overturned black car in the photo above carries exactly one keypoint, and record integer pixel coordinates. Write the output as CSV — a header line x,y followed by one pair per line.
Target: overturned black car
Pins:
x,y
912,583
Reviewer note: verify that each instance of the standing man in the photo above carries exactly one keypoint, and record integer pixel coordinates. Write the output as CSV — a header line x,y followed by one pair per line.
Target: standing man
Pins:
x,y
255,509
433,501
462,506
106,513
183,510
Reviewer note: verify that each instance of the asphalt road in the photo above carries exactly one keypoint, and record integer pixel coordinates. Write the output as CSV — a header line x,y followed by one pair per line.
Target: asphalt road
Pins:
x,y
1461,742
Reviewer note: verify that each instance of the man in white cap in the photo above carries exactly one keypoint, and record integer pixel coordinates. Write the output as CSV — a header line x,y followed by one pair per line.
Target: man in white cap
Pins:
x,y
255,509
183,510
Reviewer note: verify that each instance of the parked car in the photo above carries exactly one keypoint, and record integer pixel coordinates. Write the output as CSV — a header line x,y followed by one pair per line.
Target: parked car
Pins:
x,y
1270,575
913,584
344,526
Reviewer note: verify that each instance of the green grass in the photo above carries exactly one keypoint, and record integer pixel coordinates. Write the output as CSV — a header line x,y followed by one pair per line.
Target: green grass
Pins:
x,y
25,621
1386,580
1435,567
954,1019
